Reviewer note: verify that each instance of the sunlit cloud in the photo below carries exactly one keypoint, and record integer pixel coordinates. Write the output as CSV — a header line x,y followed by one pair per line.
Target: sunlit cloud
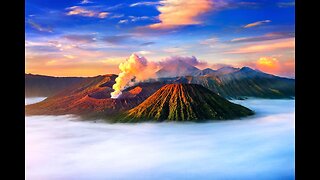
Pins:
x,y
103,15
82,11
216,37
51,62
258,23
69,56
269,36
144,52
267,62
281,44
272,65
78,63
39,27
175,13
210,42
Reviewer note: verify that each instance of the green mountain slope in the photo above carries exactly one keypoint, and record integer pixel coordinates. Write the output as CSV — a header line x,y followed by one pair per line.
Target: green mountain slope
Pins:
x,y
185,102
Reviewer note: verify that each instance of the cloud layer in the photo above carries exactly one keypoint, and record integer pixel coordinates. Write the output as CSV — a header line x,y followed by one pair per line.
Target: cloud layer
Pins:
x,y
175,13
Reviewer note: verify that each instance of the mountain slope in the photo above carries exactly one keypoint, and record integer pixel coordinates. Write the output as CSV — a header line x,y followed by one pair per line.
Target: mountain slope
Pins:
x,y
92,96
185,102
204,72
226,70
44,86
244,82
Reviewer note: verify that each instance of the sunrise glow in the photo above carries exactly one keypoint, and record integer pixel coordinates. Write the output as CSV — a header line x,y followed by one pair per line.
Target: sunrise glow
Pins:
x,y
89,38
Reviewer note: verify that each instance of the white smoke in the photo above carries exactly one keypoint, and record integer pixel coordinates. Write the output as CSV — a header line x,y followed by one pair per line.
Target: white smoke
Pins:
x,y
134,69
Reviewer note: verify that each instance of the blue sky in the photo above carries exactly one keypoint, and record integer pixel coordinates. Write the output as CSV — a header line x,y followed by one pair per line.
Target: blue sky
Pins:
x,y
85,38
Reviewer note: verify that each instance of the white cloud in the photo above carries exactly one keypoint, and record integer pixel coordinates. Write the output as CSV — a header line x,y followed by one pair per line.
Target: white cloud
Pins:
x,y
144,4
258,23
123,21
85,2
82,11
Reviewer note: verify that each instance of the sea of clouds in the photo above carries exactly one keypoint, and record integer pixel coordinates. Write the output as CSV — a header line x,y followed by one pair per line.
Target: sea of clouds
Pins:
x,y
258,147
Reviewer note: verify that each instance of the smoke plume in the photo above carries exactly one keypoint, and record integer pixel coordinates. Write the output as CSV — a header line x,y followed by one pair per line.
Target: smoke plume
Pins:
x,y
134,69
192,60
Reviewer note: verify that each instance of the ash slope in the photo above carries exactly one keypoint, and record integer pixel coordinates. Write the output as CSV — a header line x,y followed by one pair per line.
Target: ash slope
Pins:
x,y
92,97
185,102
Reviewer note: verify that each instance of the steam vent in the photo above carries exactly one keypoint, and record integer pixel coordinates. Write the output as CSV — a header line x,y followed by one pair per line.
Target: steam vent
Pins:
x,y
185,102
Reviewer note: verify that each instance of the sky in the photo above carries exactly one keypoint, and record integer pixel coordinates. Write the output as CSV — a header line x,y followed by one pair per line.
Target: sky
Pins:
x,y
92,37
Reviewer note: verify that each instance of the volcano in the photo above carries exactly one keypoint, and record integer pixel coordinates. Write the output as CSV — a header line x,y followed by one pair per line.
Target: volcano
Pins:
x,y
92,96
185,102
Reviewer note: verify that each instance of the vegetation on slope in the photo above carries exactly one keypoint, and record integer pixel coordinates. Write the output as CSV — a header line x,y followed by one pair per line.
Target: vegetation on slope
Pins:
x,y
185,102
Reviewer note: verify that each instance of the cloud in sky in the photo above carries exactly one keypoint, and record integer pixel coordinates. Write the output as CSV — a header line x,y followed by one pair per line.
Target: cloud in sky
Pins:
x,y
210,42
269,36
144,52
280,44
103,14
115,7
85,2
147,43
82,11
124,27
145,3
39,27
117,39
140,18
225,4
175,13
81,38
116,16
272,65
286,4
123,21
258,23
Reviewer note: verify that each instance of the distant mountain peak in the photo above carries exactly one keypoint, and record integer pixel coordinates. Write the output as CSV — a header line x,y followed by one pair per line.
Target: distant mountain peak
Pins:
x,y
246,68
227,70
177,68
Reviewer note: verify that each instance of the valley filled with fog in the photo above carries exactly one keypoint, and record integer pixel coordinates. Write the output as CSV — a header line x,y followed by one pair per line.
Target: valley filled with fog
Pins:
x,y
257,147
